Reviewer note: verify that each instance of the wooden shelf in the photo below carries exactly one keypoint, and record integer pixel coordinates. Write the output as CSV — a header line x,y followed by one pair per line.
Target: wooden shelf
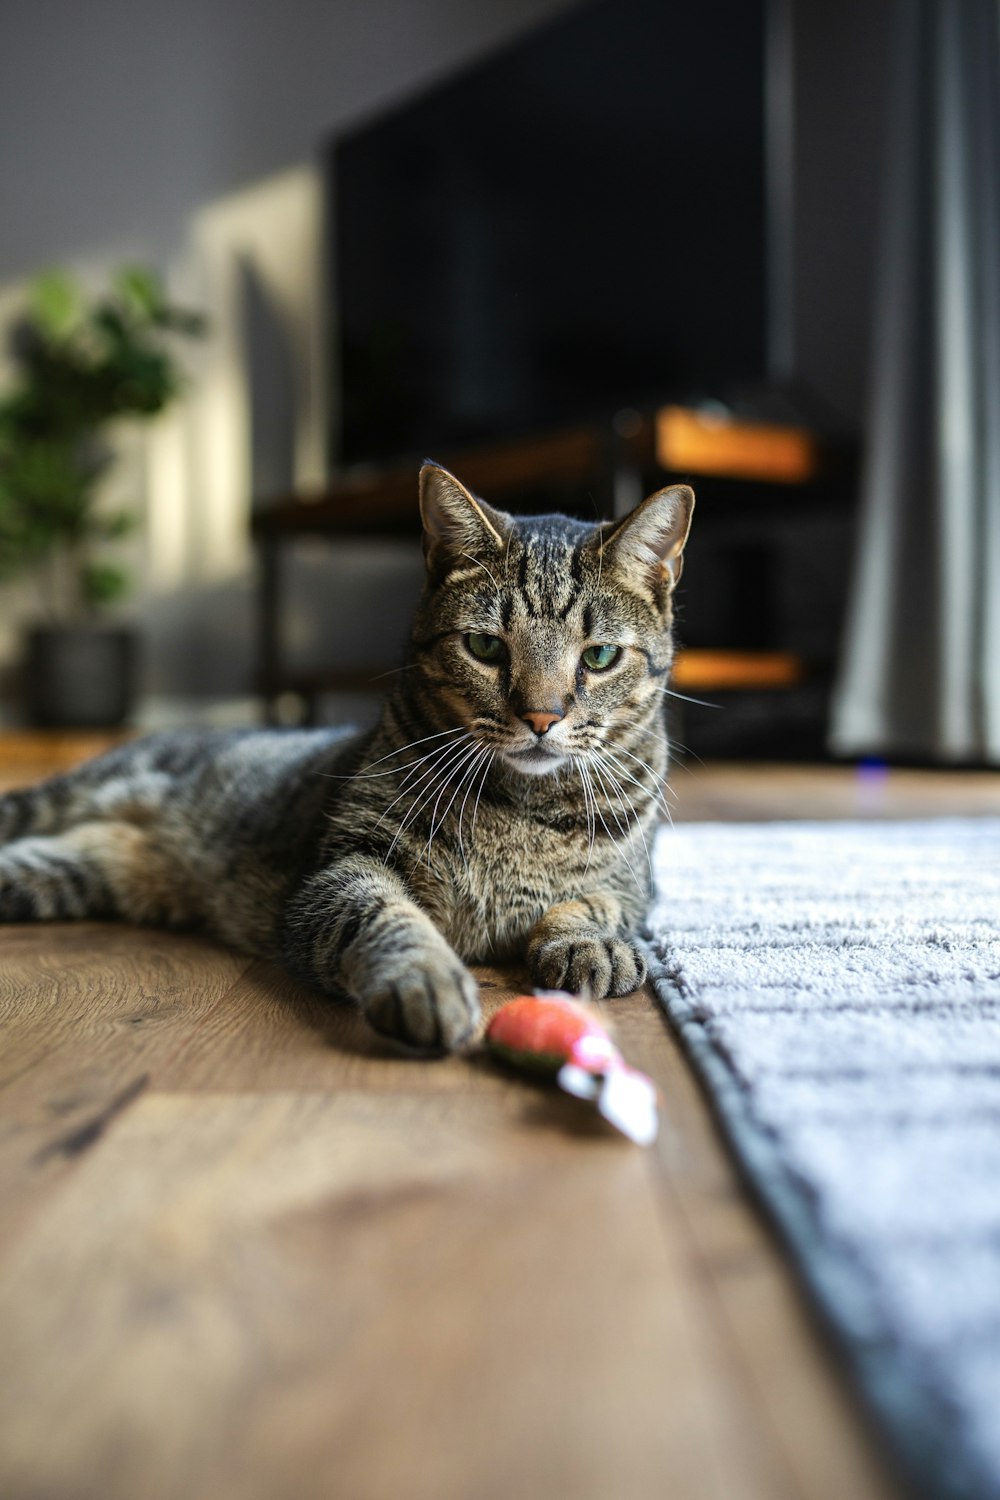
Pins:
x,y
378,501
748,671
698,442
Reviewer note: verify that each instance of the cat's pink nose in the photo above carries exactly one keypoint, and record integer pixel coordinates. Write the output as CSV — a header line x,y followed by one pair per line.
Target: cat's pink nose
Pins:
x,y
541,723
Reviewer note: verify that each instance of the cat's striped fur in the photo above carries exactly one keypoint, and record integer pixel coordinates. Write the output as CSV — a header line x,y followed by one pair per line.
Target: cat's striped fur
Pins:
x,y
500,807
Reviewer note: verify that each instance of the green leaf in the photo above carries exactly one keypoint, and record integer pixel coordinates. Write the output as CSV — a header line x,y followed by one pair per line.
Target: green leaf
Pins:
x,y
112,528
108,318
56,303
103,583
141,289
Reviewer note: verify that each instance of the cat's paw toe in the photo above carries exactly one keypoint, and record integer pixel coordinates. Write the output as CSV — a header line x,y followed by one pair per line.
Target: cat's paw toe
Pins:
x,y
432,1008
628,968
592,966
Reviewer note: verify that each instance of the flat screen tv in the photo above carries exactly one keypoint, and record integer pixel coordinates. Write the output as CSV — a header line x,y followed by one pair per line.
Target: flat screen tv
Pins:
x,y
572,226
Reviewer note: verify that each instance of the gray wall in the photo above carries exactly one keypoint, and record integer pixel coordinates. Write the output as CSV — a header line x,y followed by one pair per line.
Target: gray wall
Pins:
x,y
119,117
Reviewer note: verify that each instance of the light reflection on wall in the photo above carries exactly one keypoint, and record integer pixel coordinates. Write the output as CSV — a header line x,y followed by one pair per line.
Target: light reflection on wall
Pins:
x,y
202,502
199,561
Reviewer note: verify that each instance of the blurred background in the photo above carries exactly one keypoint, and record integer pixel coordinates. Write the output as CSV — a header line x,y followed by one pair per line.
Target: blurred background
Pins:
x,y
579,250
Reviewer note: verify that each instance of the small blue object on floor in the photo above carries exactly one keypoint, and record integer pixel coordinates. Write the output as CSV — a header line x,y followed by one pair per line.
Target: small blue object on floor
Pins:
x,y
837,986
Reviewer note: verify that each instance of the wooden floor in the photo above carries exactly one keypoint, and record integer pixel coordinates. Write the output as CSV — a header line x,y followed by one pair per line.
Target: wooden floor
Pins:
x,y
247,1252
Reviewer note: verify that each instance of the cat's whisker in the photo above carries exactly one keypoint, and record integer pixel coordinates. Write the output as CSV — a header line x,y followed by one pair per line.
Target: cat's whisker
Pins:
x,y
484,754
672,693
407,666
671,744
642,834
455,768
578,766
425,740
482,784
590,807
659,790
618,749
608,776
412,744
586,806
436,823
686,749
625,802
395,771
676,764
639,885
438,777
444,766
604,776
367,774
413,812
616,842
413,778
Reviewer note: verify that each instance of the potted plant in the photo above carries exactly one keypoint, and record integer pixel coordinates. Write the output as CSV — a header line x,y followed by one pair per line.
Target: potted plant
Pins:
x,y
79,367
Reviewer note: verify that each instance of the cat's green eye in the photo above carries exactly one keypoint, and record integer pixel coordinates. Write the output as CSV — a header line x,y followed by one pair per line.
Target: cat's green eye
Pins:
x,y
489,648
600,658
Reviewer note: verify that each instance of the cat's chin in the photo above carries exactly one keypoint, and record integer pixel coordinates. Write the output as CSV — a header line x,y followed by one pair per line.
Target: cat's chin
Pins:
x,y
534,761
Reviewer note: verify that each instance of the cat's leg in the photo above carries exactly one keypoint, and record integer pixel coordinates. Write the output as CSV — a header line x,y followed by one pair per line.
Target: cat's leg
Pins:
x,y
354,927
579,946
98,869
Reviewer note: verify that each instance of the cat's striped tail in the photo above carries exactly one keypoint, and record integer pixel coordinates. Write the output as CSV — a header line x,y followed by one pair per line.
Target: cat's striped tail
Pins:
x,y
33,809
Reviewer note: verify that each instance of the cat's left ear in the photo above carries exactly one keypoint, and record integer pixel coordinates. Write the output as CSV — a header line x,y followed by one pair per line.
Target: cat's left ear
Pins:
x,y
651,538
456,522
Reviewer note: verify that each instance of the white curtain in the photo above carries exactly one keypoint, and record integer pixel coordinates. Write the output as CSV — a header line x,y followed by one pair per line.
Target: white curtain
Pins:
x,y
920,675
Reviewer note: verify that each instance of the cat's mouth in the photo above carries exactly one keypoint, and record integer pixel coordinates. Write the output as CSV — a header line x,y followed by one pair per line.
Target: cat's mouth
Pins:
x,y
535,760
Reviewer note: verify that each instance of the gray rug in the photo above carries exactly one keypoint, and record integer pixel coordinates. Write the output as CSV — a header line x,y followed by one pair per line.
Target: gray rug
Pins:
x,y
838,988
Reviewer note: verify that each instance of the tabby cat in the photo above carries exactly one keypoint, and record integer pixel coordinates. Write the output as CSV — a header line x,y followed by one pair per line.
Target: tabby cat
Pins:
x,y
500,808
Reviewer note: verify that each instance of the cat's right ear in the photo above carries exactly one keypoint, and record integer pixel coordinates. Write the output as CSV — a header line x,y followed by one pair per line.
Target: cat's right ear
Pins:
x,y
456,523
650,541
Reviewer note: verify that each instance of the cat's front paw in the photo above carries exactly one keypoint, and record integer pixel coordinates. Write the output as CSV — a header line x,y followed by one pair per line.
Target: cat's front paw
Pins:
x,y
431,1004
592,965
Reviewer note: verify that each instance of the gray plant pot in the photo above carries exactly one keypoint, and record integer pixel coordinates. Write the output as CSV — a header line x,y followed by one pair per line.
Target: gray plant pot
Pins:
x,y
80,676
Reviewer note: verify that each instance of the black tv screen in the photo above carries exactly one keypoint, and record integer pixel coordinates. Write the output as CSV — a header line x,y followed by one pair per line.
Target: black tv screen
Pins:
x,y
572,226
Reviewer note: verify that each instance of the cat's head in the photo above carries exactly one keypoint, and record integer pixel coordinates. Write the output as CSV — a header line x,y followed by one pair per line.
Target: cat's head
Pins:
x,y
547,638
